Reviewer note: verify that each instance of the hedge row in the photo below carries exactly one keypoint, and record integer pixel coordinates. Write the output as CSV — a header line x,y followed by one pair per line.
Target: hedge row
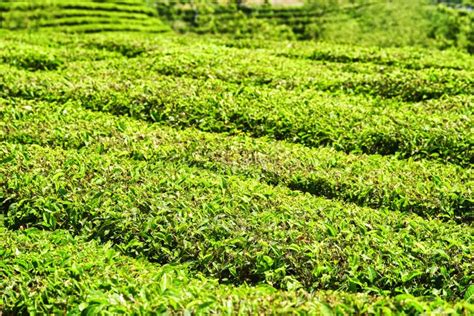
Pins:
x,y
261,68
406,57
427,188
43,272
71,21
311,118
33,57
82,5
55,13
232,228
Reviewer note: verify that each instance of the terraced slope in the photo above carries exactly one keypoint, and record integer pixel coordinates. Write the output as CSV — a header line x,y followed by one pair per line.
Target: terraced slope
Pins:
x,y
191,174
80,16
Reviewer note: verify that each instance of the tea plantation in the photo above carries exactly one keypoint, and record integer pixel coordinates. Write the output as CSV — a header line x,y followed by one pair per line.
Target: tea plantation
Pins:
x,y
148,172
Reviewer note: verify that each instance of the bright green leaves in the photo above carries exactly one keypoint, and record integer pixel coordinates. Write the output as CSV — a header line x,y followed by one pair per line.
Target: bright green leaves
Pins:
x,y
233,228
394,230
86,277
185,86
427,188
469,295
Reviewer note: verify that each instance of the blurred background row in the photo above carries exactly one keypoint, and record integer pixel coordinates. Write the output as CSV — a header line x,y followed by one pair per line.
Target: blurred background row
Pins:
x,y
425,23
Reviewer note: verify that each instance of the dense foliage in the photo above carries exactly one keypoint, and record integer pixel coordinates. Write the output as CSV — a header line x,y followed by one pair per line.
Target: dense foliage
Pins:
x,y
160,173
426,23
73,16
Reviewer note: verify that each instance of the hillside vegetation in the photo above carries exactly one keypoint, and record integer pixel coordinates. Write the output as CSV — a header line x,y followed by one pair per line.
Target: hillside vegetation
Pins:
x,y
80,15
152,172
422,23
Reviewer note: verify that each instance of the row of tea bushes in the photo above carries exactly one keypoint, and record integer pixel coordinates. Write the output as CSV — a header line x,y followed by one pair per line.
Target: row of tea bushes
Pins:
x,y
424,187
50,272
233,228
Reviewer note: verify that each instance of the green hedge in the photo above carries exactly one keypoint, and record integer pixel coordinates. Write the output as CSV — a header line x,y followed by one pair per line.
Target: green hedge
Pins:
x,y
347,123
424,187
234,229
247,176
43,272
